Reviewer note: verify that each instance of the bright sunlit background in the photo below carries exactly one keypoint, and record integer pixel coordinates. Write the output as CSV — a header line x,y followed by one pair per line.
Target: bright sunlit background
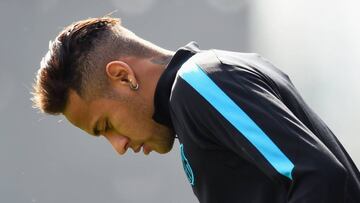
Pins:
x,y
44,159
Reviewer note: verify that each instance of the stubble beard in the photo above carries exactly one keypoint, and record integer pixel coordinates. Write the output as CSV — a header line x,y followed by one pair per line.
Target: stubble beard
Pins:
x,y
162,137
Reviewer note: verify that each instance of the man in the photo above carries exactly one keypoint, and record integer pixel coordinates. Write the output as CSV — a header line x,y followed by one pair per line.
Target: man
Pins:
x,y
245,133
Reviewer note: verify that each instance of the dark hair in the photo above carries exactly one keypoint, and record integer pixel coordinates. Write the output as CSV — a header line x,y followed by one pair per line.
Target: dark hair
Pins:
x,y
77,58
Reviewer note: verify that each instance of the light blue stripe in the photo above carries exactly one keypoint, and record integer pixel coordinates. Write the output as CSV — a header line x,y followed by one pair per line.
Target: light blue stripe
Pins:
x,y
187,168
197,78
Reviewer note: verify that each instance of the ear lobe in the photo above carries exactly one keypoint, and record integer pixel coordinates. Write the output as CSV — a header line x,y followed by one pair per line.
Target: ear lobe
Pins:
x,y
118,71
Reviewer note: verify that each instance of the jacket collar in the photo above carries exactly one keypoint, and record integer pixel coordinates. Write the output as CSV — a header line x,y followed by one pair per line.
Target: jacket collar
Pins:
x,y
164,85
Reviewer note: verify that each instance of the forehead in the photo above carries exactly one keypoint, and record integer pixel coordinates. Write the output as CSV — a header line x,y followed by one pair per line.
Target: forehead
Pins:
x,y
79,112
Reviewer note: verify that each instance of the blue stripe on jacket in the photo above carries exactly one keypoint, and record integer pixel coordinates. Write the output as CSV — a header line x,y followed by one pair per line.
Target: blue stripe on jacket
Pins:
x,y
198,79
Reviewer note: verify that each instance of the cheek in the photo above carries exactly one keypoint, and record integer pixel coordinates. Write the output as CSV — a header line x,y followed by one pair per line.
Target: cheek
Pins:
x,y
135,120
129,123
120,123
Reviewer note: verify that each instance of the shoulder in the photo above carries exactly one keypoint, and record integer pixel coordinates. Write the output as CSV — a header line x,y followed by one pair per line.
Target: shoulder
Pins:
x,y
233,74
221,64
192,71
211,67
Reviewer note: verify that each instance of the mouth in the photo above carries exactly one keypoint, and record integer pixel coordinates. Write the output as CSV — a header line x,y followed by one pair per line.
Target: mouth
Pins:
x,y
146,149
137,149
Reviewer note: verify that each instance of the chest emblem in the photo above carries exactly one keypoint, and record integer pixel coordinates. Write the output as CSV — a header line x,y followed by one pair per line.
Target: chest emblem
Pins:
x,y
187,168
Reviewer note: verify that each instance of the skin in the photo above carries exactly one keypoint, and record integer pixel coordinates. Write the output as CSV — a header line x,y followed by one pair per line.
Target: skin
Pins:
x,y
125,122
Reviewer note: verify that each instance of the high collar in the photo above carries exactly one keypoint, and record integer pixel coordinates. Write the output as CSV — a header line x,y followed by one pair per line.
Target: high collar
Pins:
x,y
164,85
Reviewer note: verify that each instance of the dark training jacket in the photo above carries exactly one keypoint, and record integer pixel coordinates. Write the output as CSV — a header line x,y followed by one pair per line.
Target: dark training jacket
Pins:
x,y
246,135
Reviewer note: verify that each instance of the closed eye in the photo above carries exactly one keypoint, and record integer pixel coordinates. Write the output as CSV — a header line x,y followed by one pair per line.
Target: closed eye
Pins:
x,y
107,126
95,132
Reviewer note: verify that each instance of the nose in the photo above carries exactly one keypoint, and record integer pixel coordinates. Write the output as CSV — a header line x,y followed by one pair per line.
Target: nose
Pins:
x,y
118,142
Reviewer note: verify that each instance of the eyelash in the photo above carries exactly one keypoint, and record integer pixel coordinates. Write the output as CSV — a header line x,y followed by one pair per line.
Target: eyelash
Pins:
x,y
107,126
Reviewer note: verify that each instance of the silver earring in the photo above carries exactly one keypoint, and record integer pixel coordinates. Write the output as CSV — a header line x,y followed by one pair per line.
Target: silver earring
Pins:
x,y
134,87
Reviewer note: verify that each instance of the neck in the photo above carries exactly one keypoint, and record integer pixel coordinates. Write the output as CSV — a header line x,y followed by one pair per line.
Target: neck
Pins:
x,y
161,60
148,72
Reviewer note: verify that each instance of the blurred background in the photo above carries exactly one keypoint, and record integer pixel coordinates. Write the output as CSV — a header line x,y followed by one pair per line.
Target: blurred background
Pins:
x,y
44,159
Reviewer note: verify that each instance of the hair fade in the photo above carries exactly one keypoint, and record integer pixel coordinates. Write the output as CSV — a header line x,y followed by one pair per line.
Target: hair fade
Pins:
x,y
58,69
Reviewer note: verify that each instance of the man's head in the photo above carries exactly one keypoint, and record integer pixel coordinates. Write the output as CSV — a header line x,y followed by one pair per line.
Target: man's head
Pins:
x,y
102,78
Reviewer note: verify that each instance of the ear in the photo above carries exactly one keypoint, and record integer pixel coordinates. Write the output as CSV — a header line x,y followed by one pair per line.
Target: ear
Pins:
x,y
119,71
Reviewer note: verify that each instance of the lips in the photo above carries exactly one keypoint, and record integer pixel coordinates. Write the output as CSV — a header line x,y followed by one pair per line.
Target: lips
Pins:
x,y
137,149
146,149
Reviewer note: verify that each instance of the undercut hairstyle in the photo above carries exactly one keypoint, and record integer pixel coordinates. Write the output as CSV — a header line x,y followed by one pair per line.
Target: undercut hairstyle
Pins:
x,y
77,59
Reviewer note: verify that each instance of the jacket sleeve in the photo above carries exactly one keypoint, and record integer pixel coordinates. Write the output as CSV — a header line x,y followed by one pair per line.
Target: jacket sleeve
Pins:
x,y
243,113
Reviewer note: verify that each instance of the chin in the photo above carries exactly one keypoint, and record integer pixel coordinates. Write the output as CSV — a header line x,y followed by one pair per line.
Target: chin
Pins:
x,y
164,140
166,146
164,150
